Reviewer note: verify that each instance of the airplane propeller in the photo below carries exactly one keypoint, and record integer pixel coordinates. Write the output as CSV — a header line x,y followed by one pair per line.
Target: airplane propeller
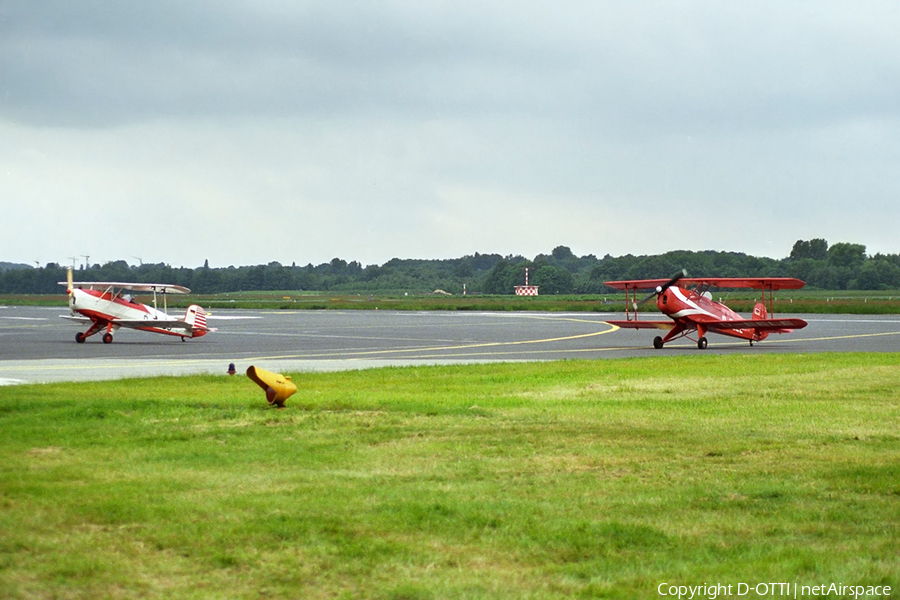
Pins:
x,y
69,282
660,289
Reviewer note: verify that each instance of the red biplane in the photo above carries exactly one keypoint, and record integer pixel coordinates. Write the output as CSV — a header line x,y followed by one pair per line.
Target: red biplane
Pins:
x,y
694,312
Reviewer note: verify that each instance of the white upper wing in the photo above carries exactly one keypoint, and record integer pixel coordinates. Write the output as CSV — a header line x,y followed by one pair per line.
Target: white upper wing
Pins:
x,y
159,288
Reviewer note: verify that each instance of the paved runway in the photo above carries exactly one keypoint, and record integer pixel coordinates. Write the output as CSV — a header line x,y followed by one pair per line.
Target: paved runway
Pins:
x,y
37,346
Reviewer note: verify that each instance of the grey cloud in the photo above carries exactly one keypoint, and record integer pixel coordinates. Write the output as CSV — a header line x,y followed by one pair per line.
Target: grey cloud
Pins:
x,y
380,121
633,68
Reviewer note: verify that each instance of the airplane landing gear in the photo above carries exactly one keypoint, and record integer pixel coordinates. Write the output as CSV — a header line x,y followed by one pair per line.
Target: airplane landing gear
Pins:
x,y
107,338
657,342
702,343
80,337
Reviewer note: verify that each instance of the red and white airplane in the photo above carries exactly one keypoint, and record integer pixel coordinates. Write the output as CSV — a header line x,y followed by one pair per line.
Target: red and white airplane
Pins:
x,y
106,308
693,310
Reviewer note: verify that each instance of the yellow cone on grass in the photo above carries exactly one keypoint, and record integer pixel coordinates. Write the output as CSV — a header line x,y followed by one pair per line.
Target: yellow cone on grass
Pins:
x,y
278,387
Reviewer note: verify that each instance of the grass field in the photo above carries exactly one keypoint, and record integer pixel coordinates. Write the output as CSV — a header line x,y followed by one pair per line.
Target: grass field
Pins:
x,y
574,479
787,301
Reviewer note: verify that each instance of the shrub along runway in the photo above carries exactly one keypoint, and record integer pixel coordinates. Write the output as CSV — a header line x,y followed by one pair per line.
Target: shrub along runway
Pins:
x,y
38,346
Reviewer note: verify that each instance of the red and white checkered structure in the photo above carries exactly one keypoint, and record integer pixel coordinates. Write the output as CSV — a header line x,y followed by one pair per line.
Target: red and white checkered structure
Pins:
x,y
526,290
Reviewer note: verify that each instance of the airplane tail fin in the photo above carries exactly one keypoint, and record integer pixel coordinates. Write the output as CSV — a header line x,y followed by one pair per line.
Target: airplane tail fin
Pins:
x,y
195,316
759,312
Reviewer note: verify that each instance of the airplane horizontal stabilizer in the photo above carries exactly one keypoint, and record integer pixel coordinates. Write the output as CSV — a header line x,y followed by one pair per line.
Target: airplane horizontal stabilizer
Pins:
x,y
643,324
76,318
771,325
155,323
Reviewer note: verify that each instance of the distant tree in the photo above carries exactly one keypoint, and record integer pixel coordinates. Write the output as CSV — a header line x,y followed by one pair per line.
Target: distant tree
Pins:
x,y
553,280
206,281
801,269
255,278
6,266
465,267
846,255
842,266
867,278
117,270
877,274
816,249
503,278
562,253
653,267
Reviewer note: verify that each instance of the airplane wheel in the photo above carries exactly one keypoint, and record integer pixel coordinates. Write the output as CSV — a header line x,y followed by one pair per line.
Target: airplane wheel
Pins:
x,y
751,343
79,337
107,338
702,343
657,342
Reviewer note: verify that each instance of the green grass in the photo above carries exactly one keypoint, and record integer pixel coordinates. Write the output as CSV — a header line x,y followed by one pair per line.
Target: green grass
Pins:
x,y
790,301
553,480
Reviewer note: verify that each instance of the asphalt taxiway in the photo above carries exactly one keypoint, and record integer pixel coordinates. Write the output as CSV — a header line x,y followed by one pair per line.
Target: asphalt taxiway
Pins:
x,y
37,346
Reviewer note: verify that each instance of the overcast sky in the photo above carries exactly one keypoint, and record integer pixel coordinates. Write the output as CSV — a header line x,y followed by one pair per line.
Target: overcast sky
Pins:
x,y
245,132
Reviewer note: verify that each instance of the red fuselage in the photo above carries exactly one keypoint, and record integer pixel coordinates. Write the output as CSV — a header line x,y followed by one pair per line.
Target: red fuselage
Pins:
x,y
693,312
689,308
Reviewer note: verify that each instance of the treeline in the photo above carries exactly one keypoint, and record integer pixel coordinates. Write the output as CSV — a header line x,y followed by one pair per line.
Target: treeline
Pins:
x,y
841,266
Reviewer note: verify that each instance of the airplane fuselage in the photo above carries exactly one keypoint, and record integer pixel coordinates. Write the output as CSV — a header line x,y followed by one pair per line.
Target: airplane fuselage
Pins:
x,y
692,309
109,311
688,308
107,308
95,305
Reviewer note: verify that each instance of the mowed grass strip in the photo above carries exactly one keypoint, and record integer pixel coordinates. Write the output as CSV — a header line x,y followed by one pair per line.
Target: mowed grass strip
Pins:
x,y
526,480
